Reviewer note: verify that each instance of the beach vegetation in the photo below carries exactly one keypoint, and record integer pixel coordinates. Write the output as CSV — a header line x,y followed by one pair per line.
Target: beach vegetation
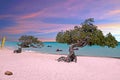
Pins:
x,y
85,34
29,41
87,29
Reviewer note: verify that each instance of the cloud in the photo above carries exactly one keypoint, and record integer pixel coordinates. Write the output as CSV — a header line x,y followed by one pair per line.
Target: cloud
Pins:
x,y
65,9
30,18
35,28
71,8
114,12
38,27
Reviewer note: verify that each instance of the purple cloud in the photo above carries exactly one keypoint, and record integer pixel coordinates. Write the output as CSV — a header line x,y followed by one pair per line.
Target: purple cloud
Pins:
x,y
29,15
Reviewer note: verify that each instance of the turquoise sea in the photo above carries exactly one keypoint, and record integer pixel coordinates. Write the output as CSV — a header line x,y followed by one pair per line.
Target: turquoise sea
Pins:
x,y
85,51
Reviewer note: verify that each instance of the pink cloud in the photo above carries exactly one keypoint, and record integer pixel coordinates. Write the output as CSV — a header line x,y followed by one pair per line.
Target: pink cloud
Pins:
x,y
100,9
73,9
39,28
76,9
25,26
114,12
64,9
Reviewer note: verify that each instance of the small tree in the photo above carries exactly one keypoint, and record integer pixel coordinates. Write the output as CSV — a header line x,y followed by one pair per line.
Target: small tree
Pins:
x,y
110,40
28,41
87,34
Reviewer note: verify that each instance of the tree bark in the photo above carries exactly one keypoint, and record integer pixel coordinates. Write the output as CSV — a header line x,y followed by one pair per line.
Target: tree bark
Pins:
x,y
71,56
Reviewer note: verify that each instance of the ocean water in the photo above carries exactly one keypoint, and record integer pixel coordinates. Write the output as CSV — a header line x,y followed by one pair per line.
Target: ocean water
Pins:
x,y
85,51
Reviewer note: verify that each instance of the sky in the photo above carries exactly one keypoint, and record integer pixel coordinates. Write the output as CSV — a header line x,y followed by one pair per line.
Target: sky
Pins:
x,y
45,18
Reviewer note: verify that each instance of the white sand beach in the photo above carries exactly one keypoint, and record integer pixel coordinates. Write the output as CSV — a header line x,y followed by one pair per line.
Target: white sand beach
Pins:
x,y
40,66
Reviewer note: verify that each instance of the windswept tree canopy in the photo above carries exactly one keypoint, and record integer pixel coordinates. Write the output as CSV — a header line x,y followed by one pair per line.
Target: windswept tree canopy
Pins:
x,y
27,41
87,29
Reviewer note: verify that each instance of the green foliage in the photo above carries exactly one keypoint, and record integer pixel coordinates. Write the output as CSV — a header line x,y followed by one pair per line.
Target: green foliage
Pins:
x,y
110,40
87,28
59,37
27,41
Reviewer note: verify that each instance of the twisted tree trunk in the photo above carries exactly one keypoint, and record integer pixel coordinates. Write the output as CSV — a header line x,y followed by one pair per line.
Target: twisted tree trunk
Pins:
x,y
71,56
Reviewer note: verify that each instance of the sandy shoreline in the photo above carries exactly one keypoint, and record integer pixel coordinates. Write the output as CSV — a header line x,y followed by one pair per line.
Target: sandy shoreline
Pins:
x,y
34,66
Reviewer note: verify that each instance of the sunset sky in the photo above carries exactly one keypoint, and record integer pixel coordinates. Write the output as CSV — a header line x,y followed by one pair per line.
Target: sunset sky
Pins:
x,y
45,18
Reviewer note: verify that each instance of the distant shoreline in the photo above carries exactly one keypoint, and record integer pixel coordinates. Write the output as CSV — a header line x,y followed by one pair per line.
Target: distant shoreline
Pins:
x,y
62,54
95,50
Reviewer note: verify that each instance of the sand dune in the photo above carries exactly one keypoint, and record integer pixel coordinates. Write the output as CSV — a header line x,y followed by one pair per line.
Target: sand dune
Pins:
x,y
40,66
